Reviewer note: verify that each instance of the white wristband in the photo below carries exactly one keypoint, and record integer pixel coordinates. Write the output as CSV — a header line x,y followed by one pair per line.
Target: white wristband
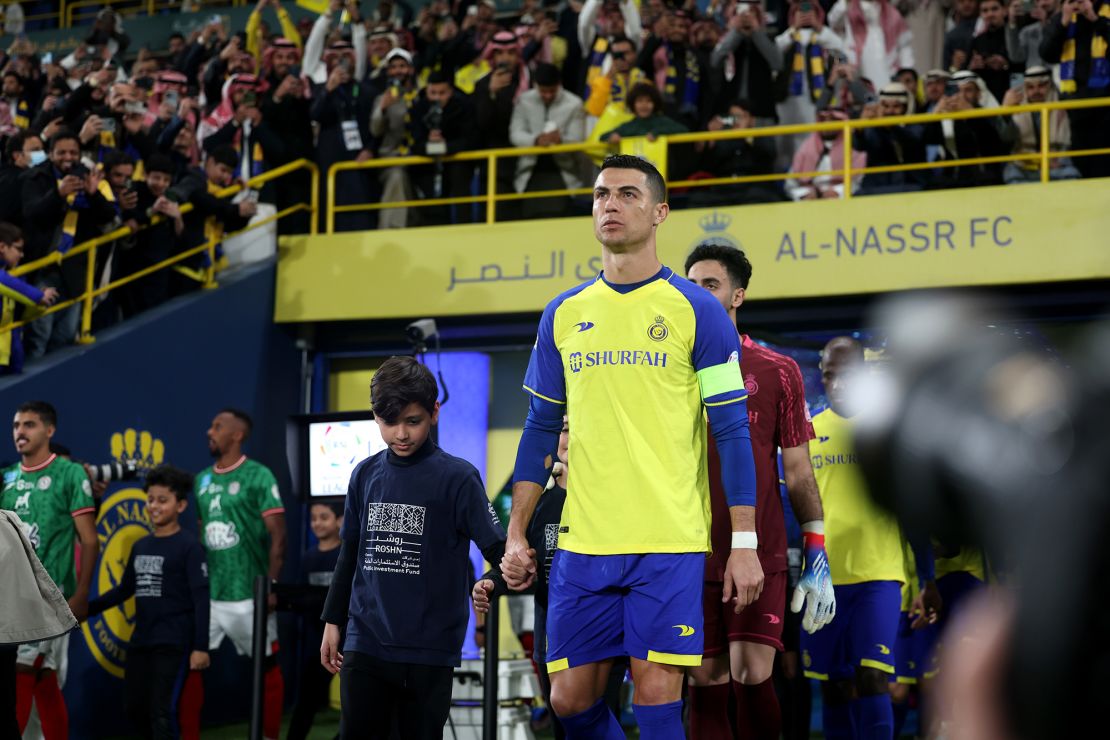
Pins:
x,y
816,526
744,541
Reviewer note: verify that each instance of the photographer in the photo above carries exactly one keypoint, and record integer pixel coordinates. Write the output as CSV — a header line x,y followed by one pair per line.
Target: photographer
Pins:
x,y
1023,42
891,145
736,158
245,131
119,168
153,244
679,71
443,124
285,108
967,138
341,108
988,49
809,48
755,58
64,204
1083,27
391,123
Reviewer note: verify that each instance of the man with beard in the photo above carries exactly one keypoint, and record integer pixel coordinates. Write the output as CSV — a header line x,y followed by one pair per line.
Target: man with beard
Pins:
x,y
243,527
285,108
677,69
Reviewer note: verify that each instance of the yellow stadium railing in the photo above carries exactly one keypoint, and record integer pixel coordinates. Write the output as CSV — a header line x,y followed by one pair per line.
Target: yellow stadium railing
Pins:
x,y
70,13
491,197
89,250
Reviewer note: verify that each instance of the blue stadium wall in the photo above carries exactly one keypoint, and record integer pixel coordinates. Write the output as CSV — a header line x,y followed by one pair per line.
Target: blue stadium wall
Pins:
x,y
164,376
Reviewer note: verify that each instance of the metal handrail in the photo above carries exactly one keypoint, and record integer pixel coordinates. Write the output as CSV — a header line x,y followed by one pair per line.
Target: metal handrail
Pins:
x,y
88,248
1044,157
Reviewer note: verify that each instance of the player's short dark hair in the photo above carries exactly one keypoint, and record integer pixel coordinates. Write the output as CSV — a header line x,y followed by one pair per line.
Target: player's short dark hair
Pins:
x,y
399,382
335,508
734,260
655,180
242,416
62,135
10,233
175,479
45,411
225,154
159,163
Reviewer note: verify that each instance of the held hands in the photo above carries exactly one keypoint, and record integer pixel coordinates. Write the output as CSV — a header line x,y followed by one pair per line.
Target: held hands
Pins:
x,y
198,660
815,586
518,564
481,595
330,657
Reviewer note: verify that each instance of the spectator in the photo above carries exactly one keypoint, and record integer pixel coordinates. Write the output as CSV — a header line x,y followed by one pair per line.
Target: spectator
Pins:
x,y
119,169
15,109
495,96
600,24
1076,38
609,90
926,22
646,105
805,48
155,243
233,60
13,291
737,158
538,35
967,138
341,108
846,90
909,79
443,124
957,42
286,110
391,124
1024,130
876,37
1023,42
677,69
988,49
548,115
254,28
246,130
64,204
891,145
108,33
746,61
824,152
381,41
24,151
211,217
935,82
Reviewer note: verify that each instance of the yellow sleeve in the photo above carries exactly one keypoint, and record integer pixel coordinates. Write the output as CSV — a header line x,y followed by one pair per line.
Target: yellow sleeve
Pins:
x,y
254,22
600,88
288,28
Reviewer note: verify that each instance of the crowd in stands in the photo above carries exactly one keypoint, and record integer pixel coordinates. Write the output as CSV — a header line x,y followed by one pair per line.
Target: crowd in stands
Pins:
x,y
111,136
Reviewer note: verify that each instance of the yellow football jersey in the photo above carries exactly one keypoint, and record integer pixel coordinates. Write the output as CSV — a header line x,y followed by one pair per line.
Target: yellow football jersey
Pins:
x,y
634,365
863,541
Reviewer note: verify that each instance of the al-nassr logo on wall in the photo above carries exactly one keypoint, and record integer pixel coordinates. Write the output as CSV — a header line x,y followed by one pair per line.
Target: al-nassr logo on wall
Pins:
x,y
121,521
715,229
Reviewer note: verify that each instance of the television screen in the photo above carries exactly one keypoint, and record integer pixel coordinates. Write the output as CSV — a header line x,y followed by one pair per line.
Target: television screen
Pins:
x,y
334,449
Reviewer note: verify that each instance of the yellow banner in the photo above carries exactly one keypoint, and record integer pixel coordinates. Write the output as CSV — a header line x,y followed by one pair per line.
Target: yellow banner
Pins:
x,y
316,6
985,236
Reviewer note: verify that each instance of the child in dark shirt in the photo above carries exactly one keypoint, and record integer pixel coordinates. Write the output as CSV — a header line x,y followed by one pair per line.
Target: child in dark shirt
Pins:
x,y
401,584
317,569
167,574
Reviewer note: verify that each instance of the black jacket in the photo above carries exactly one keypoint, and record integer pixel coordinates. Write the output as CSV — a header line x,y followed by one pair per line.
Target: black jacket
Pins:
x,y
495,113
1052,46
457,124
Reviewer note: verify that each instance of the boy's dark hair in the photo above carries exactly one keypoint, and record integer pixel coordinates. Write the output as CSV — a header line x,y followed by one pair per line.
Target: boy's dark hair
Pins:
x,y
734,260
46,412
399,382
10,233
547,75
438,77
225,154
159,163
655,180
335,508
116,158
175,479
644,90
242,416
16,142
61,135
